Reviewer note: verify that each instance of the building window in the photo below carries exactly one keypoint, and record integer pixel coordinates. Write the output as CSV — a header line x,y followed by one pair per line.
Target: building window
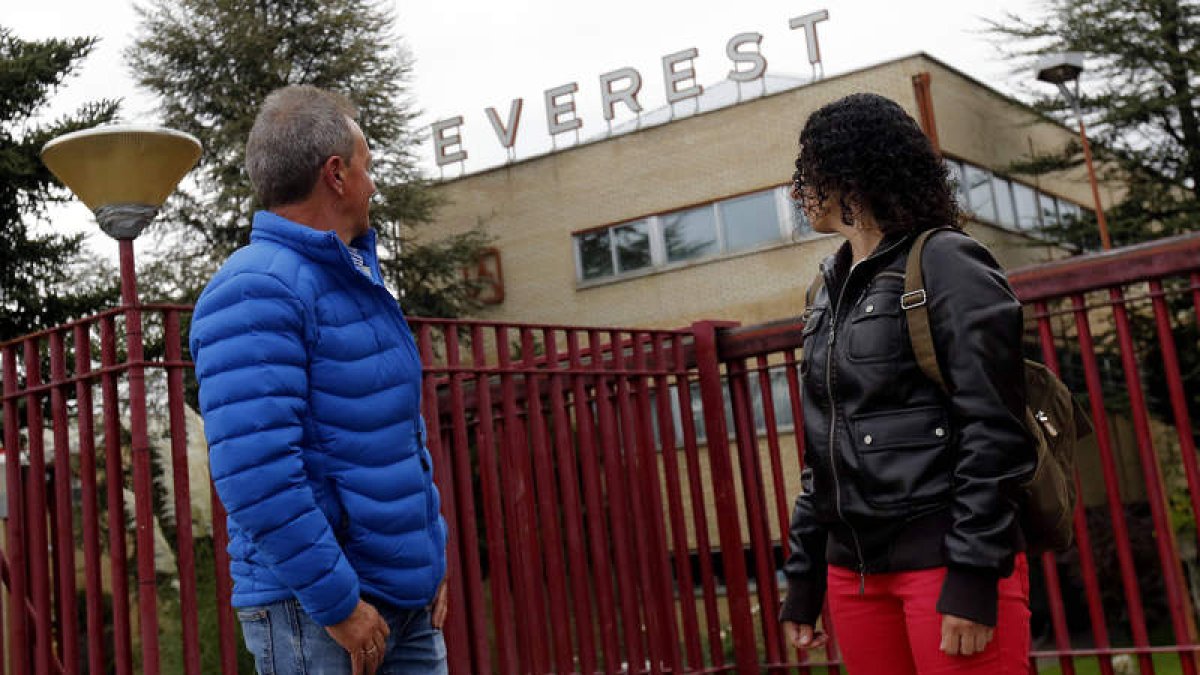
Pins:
x,y
690,234
1026,203
595,254
979,193
721,227
1049,210
1007,203
632,242
1069,213
749,221
1005,215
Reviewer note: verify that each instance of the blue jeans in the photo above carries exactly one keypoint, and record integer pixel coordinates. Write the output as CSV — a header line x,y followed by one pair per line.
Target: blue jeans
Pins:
x,y
285,641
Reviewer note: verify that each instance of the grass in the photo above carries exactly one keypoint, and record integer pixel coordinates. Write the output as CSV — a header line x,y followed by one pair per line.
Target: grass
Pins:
x,y
171,629
1164,664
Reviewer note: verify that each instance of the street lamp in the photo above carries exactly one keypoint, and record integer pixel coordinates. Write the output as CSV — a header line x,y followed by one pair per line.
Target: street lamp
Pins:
x,y
1059,69
124,174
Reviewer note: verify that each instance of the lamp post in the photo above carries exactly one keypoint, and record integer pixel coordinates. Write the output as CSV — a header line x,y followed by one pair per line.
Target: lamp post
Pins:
x,y
124,174
1059,69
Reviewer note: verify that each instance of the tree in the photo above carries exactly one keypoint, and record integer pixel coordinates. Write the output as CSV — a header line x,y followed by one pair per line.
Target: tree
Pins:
x,y
211,64
1141,100
45,278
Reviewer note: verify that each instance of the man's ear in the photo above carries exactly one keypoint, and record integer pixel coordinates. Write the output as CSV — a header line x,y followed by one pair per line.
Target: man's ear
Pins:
x,y
333,172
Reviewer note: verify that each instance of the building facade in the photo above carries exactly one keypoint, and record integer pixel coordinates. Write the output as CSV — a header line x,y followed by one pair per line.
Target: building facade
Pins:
x,y
689,219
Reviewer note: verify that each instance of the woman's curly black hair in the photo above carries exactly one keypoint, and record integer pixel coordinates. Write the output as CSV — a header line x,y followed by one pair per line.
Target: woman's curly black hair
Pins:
x,y
865,147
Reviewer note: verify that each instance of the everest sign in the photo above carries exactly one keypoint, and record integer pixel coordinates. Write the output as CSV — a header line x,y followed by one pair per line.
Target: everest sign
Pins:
x,y
622,86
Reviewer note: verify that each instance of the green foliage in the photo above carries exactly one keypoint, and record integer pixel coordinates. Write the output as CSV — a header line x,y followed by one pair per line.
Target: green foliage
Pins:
x,y
207,615
45,279
1140,99
211,64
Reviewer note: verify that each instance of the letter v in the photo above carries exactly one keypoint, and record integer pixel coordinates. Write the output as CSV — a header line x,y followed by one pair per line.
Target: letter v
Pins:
x,y
507,136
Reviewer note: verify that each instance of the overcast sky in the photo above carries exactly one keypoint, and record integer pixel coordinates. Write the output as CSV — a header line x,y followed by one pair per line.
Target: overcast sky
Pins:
x,y
475,54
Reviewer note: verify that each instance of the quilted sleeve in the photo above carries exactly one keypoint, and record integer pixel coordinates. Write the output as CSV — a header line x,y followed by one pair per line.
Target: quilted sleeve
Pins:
x,y
249,343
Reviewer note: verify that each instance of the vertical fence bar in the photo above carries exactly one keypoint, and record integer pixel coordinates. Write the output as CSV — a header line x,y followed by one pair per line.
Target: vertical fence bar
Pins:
x,y
598,540
1049,561
475,608
756,504
115,481
1195,279
652,490
683,570
18,591
183,495
64,544
615,487
1183,421
39,545
459,659
89,494
778,485
1177,600
493,511
646,587
226,632
708,367
567,460
691,450
1129,576
547,506
520,516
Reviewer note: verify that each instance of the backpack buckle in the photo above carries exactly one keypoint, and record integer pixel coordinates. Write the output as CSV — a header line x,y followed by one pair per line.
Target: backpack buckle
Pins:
x,y
913,299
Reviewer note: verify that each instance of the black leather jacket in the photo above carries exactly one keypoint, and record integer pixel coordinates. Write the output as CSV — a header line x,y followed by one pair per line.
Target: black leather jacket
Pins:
x,y
898,475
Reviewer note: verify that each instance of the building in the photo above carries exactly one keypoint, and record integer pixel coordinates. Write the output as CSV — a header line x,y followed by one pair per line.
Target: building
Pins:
x,y
667,221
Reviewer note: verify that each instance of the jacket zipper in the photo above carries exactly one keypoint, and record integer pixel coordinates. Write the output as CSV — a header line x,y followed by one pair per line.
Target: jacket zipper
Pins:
x,y
407,336
833,411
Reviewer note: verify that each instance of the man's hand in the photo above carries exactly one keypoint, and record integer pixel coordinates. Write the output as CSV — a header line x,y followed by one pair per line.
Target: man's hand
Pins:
x,y
803,636
963,636
364,635
441,606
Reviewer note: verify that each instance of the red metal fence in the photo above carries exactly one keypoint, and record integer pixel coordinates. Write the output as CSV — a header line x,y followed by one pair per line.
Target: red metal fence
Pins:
x,y
617,498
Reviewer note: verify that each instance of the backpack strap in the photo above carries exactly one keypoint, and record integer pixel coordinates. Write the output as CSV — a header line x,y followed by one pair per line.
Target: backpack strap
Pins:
x,y
915,303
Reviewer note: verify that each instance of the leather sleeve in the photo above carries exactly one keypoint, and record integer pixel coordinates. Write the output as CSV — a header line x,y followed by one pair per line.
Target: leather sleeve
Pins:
x,y
977,329
805,566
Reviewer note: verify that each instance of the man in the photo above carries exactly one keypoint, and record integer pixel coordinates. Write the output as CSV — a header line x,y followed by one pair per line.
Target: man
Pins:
x,y
310,387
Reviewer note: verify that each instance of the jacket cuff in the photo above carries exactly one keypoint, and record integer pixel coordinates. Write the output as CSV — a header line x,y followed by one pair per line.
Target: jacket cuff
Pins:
x,y
342,584
803,602
970,593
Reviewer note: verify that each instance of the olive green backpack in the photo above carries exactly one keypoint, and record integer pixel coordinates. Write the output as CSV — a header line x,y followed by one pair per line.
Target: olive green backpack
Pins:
x,y
1052,415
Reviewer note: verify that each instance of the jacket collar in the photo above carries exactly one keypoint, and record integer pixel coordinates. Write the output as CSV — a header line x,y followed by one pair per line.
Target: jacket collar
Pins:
x,y
318,245
837,266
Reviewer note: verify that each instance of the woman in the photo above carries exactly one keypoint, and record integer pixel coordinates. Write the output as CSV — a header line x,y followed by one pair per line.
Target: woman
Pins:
x,y
907,518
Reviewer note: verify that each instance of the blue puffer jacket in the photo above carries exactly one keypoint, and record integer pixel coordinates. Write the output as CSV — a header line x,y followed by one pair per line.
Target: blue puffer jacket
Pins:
x,y
310,387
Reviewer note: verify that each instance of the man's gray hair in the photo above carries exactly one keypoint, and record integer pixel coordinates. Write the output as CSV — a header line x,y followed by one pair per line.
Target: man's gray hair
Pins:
x,y
298,128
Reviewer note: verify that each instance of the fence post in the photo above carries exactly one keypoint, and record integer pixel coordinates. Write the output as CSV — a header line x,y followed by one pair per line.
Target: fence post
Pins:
x,y
708,369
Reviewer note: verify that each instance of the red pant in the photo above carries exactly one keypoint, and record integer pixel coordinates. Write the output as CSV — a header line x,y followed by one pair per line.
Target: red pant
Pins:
x,y
895,629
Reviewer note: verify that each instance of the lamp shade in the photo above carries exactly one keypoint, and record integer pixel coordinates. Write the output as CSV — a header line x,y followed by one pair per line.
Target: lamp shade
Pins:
x,y
1059,68
116,168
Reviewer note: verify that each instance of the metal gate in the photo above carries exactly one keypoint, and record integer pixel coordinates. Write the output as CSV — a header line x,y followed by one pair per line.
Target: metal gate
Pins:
x,y
617,498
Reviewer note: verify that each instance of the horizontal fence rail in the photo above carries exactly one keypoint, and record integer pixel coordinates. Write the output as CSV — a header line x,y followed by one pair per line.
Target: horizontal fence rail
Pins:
x,y
618,499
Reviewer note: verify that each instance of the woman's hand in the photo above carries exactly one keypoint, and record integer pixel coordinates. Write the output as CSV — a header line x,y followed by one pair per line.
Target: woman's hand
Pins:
x,y
804,636
963,636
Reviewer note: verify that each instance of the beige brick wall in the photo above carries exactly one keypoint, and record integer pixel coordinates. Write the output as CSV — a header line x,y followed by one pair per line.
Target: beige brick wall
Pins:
x,y
533,206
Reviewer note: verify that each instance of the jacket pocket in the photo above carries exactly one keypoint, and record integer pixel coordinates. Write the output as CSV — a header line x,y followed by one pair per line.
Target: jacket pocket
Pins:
x,y
875,331
904,455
